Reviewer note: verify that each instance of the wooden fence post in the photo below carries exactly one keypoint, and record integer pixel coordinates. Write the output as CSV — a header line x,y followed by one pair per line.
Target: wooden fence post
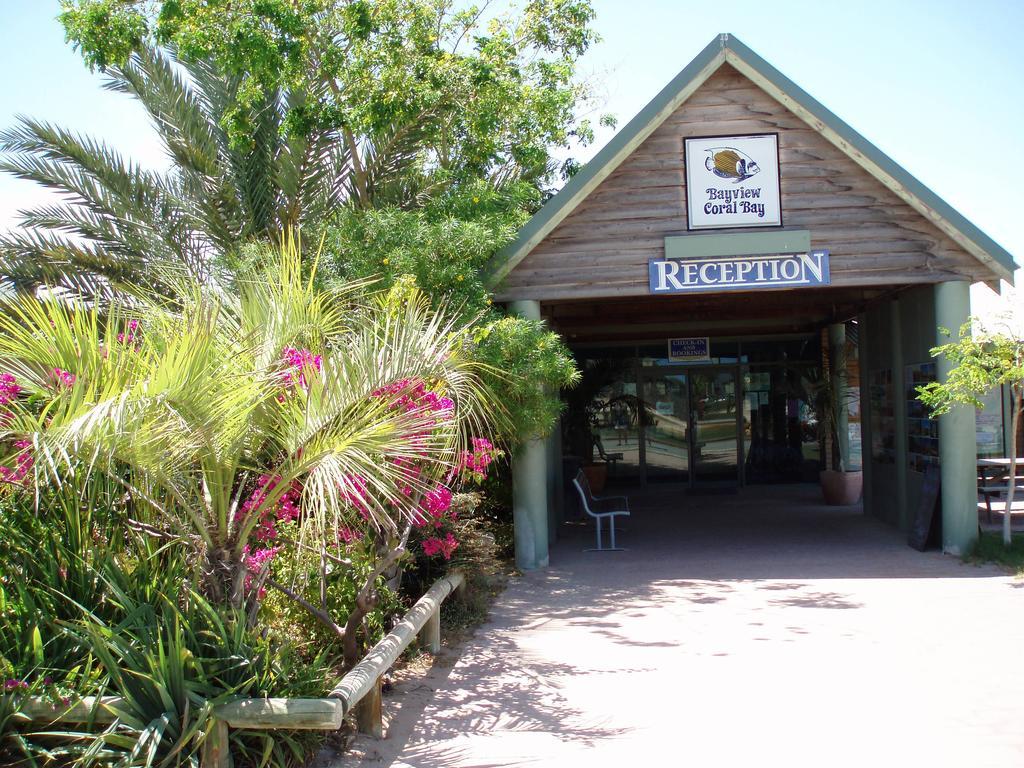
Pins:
x,y
216,751
460,590
369,712
431,635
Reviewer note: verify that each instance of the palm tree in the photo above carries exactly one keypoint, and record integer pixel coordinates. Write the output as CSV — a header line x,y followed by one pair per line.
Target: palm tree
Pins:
x,y
192,407
117,220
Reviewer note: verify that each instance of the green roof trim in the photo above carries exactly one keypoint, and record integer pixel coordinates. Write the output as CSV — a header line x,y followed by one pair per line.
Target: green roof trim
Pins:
x,y
725,48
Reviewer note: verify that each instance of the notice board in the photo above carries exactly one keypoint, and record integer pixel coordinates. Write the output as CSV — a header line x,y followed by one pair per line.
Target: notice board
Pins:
x,y
927,523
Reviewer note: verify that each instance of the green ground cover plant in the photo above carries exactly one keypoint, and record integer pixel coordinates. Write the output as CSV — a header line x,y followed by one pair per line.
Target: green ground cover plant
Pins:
x,y
991,549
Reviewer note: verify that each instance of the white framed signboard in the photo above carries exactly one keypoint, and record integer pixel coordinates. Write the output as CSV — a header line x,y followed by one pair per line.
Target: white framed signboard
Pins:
x,y
733,181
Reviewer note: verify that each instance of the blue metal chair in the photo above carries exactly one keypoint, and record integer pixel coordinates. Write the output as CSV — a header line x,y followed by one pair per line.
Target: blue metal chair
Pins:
x,y
601,507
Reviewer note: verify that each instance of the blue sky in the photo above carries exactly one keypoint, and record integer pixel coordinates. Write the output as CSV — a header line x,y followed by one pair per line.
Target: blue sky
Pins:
x,y
936,84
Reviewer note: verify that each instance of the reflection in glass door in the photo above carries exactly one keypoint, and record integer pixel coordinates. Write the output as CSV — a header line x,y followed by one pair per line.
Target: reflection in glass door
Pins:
x,y
666,411
715,428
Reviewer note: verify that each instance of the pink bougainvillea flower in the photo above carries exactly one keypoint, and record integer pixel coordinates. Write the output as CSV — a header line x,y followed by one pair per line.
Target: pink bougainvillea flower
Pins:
x,y
412,396
437,546
23,464
435,504
299,361
408,472
255,562
131,336
348,535
284,510
9,389
63,379
353,491
478,458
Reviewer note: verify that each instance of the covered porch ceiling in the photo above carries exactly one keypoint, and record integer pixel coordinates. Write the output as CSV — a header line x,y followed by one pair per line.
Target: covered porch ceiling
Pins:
x,y
641,318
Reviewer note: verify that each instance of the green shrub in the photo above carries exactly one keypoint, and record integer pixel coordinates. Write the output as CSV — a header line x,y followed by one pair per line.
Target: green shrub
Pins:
x,y
90,608
52,551
173,658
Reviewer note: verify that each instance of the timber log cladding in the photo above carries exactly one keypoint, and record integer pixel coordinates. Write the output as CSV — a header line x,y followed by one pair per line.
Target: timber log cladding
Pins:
x,y
797,270
603,248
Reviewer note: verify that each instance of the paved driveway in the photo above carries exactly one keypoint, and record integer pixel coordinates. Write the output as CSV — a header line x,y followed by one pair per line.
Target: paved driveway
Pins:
x,y
736,631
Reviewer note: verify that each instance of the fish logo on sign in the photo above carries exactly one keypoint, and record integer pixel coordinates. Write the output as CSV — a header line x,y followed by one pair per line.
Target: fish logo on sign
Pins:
x,y
730,163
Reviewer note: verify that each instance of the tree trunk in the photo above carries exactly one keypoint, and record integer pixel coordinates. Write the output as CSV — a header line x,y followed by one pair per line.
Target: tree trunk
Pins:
x,y
389,553
1016,404
366,601
224,577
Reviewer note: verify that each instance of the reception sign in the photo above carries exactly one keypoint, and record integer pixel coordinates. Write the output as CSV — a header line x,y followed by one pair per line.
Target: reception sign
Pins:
x,y
739,273
733,181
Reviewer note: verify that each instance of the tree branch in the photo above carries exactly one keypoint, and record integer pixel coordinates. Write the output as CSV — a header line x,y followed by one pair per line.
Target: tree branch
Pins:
x,y
322,616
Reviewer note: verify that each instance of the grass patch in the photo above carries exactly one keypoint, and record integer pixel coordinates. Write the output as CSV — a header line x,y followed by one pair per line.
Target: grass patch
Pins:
x,y
990,549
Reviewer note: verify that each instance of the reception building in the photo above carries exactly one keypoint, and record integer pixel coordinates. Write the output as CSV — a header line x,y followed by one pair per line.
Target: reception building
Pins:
x,y
732,246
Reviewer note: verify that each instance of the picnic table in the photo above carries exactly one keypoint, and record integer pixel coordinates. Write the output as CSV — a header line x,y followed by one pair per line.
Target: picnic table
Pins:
x,y
994,479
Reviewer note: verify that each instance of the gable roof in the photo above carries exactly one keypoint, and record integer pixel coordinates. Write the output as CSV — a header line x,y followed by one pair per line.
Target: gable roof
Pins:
x,y
726,49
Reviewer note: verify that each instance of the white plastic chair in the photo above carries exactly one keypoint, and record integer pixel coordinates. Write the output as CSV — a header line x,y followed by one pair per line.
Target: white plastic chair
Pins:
x,y
600,507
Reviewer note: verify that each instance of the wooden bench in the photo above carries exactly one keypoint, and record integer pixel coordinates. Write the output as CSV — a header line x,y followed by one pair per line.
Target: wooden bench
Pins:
x,y
988,492
994,481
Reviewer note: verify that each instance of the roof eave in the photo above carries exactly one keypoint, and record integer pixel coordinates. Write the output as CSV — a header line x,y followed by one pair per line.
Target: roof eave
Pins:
x,y
882,167
604,163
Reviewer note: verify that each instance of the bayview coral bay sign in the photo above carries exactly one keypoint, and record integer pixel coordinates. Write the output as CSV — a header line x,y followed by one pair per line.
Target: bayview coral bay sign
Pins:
x,y
733,181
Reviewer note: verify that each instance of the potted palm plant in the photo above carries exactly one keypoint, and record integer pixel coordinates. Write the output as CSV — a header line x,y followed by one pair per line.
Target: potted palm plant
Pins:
x,y
831,395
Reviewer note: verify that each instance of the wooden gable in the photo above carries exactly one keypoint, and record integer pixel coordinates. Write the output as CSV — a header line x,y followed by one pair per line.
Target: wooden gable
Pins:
x,y
602,247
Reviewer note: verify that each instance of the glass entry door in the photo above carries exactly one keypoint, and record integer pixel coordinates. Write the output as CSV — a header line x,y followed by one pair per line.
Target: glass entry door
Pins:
x,y
715,449
690,428
666,434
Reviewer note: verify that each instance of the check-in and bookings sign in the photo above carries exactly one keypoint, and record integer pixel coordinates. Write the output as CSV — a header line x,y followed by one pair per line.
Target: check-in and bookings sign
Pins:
x,y
733,181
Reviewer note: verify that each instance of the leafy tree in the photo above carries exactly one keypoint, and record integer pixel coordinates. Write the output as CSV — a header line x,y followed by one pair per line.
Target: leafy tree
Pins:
x,y
984,360
118,224
278,114
422,130
445,246
486,94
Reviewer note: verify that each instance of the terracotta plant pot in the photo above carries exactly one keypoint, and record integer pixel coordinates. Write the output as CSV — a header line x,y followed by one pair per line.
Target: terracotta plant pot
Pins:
x,y
597,476
841,489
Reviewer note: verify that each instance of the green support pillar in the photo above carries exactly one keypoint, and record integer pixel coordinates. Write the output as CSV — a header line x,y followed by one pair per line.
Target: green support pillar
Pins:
x,y
958,452
530,486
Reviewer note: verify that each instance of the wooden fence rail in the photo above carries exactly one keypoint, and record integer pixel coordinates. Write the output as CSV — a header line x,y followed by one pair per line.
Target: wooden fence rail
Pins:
x,y
358,691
